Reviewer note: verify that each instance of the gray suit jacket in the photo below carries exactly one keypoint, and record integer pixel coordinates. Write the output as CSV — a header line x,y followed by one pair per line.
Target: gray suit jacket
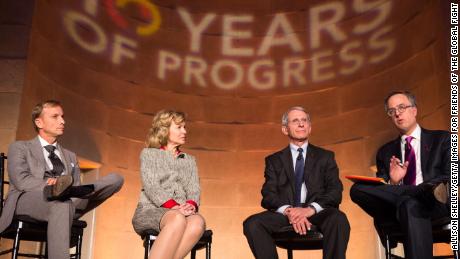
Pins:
x,y
26,171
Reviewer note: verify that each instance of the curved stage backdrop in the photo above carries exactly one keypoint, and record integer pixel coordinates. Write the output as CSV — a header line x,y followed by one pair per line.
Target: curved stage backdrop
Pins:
x,y
234,66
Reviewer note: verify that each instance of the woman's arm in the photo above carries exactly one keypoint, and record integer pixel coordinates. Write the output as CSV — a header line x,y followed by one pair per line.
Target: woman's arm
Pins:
x,y
151,173
192,184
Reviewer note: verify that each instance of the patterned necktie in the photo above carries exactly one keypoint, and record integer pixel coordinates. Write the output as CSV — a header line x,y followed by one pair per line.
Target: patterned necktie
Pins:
x,y
409,155
58,166
299,171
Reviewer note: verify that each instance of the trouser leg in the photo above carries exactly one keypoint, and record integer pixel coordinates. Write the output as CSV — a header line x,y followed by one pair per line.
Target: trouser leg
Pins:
x,y
336,232
258,229
58,214
394,203
104,188
415,220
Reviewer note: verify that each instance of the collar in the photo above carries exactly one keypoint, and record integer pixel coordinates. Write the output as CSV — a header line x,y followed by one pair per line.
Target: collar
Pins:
x,y
295,147
45,143
416,134
178,151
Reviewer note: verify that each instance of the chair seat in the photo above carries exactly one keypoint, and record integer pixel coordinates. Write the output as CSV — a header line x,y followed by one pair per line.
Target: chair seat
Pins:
x,y
441,230
26,228
391,233
287,238
35,230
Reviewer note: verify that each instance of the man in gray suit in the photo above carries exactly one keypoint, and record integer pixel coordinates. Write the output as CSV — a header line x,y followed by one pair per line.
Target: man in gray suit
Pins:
x,y
37,165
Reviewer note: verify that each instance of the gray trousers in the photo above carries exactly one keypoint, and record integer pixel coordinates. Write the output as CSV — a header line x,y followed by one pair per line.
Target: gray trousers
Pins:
x,y
60,214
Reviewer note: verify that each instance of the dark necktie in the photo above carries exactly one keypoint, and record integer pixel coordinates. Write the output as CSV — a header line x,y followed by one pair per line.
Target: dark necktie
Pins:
x,y
299,170
58,166
409,155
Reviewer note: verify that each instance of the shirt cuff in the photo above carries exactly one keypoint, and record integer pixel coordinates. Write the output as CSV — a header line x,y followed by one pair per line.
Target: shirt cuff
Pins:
x,y
317,207
169,204
282,209
192,202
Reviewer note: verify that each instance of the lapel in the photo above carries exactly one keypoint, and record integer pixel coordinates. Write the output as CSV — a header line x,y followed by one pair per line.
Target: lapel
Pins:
x,y
65,158
309,162
425,147
286,158
395,149
37,153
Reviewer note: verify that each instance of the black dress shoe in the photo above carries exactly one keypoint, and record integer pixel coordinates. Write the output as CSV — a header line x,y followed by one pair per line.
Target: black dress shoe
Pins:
x,y
59,189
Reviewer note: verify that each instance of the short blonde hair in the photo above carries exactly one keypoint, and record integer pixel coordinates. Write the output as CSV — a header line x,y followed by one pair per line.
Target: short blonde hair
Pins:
x,y
37,110
159,132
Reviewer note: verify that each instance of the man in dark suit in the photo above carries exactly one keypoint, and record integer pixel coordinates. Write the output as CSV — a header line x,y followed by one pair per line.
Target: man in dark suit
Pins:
x,y
302,187
41,164
416,166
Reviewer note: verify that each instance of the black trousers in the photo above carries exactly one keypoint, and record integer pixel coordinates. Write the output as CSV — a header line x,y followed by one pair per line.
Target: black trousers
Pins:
x,y
397,204
331,222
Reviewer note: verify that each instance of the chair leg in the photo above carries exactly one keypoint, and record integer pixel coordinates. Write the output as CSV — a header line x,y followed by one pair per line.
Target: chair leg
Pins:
x,y
387,247
14,254
193,254
46,249
289,254
208,250
79,245
147,245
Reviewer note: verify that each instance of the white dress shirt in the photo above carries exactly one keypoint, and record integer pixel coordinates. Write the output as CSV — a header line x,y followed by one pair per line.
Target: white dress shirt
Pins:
x,y
304,191
46,153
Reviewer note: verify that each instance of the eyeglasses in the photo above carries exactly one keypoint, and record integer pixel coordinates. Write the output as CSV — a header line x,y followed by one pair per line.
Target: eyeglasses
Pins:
x,y
400,109
297,122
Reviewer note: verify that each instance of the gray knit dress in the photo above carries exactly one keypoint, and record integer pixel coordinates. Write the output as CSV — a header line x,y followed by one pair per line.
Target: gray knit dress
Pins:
x,y
164,177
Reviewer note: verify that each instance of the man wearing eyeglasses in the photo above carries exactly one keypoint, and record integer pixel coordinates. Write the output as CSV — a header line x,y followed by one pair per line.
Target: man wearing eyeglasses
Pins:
x,y
416,166
302,188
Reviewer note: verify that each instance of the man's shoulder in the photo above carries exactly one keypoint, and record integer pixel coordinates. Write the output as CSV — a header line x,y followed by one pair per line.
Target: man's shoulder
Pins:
x,y
311,148
319,150
23,143
435,133
278,154
390,145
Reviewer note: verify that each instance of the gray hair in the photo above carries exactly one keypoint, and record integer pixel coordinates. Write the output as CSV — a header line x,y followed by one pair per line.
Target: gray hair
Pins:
x,y
410,96
284,119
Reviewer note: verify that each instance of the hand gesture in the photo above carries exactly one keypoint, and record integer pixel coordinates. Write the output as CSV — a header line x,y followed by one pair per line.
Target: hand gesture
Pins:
x,y
397,170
